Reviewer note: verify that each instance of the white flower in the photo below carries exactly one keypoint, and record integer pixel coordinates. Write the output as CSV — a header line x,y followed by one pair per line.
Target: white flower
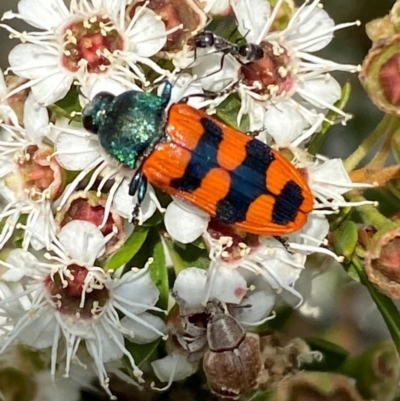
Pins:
x,y
6,112
29,180
185,222
289,90
329,180
193,287
70,298
227,286
91,40
78,150
173,367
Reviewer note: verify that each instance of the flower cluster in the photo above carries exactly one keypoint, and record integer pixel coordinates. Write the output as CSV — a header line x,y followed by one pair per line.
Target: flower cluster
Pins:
x,y
84,262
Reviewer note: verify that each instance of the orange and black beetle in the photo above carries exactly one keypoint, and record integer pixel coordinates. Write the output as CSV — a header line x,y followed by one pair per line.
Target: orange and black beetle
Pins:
x,y
230,175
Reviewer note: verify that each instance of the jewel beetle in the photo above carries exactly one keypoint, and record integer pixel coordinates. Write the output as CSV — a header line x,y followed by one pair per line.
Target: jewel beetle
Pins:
x,y
232,176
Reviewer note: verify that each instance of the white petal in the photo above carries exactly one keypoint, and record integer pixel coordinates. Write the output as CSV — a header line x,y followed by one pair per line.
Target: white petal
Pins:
x,y
284,123
82,241
53,88
22,263
280,268
257,306
251,16
176,365
107,349
141,333
257,117
124,204
216,74
45,14
185,85
328,174
317,227
228,285
317,24
328,90
40,331
190,285
36,119
184,226
36,62
148,34
75,153
137,288
217,7
43,230
104,84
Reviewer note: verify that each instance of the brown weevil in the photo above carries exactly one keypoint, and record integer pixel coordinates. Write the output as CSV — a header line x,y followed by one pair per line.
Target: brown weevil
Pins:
x,y
232,363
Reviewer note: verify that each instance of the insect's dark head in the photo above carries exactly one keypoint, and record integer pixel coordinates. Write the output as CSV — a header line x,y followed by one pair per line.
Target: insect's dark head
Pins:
x,y
94,112
251,52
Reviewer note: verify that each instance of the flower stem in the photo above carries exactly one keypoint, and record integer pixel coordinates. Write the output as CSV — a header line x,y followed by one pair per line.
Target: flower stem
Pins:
x,y
317,140
379,178
385,305
369,213
387,126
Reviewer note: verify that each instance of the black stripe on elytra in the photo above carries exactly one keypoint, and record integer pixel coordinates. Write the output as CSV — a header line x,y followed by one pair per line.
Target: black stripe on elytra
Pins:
x,y
287,203
248,182
203,159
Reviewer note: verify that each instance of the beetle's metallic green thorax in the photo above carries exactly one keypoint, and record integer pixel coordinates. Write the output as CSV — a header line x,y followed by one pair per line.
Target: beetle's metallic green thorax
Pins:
x,y
132,123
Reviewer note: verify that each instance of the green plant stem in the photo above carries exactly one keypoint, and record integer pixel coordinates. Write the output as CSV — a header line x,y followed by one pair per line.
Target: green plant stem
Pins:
x,y
384,304
369,213
317,140
387,126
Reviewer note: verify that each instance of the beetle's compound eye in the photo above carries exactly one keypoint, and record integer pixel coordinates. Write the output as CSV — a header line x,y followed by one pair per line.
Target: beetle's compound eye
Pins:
x,y
89,125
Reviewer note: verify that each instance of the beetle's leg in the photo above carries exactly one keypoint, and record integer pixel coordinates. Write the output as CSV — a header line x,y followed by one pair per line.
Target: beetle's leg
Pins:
x,y
137,186
135,182
285,242
255,132
141,192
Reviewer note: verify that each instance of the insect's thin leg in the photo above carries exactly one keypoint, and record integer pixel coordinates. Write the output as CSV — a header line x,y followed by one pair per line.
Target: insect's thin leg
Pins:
x,y
135,182
255,132
137,186
285,242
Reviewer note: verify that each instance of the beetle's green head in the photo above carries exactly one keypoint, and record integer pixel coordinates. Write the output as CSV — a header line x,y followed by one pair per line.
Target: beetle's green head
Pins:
x,y
128,125
94,112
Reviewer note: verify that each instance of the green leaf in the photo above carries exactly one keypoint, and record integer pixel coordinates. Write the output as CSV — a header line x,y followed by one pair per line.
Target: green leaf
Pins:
x,y
318,138
159,271
19,233
68,104
385,305
187,255
228,110
334,355
154,220
283,314
344,239
140,352
129,249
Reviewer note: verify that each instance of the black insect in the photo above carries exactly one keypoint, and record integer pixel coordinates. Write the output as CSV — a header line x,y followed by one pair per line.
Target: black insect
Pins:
x,y
243,53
